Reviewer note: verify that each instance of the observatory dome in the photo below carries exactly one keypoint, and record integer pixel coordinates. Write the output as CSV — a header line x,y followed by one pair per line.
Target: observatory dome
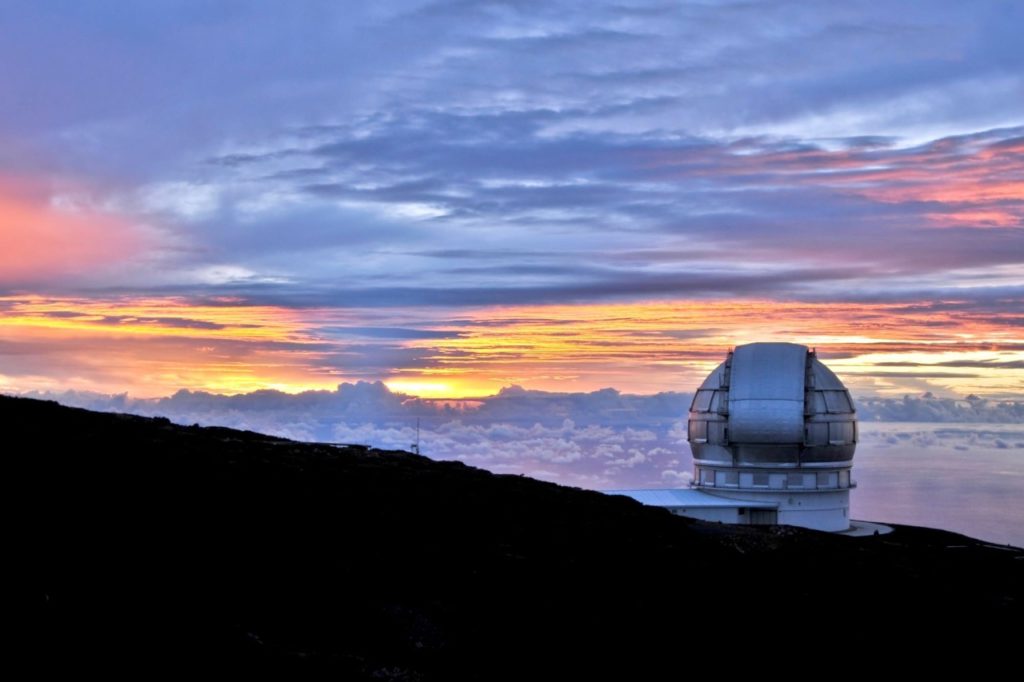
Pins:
x,y
772,405
773,432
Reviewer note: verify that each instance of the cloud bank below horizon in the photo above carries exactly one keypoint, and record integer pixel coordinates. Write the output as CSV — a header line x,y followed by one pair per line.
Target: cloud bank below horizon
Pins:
x,y
601,439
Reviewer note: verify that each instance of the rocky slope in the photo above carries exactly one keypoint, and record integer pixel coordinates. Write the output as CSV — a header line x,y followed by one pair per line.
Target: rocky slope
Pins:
x,y
139,542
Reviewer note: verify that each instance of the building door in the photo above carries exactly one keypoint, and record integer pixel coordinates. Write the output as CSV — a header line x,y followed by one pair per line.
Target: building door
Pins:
x,y
764,517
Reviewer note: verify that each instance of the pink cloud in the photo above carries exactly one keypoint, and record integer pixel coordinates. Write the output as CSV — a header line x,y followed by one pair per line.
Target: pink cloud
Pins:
x,y
40,241
969,181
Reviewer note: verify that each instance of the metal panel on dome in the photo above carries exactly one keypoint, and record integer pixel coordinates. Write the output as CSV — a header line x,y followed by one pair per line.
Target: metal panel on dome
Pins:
x,y
766,393
823,378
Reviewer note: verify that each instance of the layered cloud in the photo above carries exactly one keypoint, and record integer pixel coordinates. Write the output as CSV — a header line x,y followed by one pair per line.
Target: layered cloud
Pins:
x,y
153,346
454,197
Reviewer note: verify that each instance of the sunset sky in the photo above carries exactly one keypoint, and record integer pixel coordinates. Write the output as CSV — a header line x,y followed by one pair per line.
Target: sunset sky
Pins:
x,y
453,197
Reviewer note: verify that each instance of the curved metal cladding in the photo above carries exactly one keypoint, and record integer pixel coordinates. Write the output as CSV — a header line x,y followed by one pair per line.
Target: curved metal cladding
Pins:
x,y
772,404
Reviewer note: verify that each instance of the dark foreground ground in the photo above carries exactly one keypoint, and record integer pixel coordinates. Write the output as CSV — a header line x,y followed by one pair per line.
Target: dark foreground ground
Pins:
x,y
142,545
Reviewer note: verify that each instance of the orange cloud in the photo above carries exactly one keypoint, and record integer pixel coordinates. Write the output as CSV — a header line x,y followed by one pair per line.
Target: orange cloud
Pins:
x,y
155,346
39,241
670,345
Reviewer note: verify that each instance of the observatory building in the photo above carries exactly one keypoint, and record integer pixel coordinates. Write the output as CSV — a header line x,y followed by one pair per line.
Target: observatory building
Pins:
x,y
773,432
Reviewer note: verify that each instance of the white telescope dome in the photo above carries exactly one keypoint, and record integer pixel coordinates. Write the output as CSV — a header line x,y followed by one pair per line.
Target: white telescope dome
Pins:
x,y
772,404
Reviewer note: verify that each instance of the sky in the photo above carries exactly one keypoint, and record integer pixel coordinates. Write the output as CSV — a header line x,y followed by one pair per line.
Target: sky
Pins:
x,y
457,197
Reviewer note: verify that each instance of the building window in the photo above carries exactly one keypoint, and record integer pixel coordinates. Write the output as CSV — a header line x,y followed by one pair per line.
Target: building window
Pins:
x,y
761,480
794,480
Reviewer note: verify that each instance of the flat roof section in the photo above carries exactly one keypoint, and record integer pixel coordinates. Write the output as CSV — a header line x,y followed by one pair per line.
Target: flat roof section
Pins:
x,y
687,497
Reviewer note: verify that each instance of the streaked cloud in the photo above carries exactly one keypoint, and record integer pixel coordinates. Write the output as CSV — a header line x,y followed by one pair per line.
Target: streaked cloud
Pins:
x,y
456,197
154,346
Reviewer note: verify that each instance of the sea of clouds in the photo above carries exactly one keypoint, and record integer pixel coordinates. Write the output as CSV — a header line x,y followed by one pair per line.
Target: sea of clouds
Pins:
x,y
600,439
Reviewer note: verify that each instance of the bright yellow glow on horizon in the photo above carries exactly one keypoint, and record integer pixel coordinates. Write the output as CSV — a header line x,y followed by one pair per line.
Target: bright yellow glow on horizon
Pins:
x,y
423,389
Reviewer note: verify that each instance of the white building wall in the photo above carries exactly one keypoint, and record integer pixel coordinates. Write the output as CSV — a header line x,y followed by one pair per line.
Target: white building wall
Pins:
x,y
820,510
817,519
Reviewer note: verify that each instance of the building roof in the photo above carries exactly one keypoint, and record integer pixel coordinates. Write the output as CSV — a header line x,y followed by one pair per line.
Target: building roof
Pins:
x,y
687,497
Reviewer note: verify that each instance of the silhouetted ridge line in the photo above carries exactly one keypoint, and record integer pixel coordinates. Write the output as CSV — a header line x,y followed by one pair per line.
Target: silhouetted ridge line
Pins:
x,y
141,542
